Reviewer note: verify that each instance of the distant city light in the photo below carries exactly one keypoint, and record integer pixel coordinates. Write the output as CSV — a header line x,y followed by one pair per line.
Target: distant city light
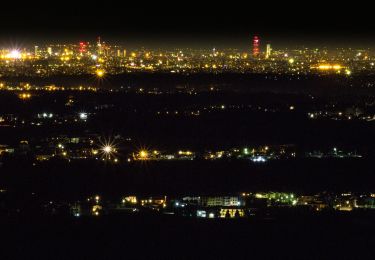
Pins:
x,y
258,159
143,154
329,67
100,73
15,54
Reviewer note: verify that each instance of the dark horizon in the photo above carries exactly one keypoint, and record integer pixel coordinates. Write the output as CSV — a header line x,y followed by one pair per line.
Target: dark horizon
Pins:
x,y
197,25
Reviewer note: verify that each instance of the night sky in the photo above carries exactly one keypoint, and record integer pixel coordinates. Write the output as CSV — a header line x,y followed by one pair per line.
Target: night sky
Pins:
x,y
195,24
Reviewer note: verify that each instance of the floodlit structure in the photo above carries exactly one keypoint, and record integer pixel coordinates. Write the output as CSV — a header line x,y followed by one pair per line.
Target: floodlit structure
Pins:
x,y
268,50
256,43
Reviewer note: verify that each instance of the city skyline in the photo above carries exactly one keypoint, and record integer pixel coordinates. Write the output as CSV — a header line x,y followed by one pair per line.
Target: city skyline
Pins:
x,y
239,41
187,129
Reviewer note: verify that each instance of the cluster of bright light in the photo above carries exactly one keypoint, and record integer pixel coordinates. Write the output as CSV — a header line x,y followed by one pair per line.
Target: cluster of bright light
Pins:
x,y
185,152
143,154
14,54
258,159
330,67
108,150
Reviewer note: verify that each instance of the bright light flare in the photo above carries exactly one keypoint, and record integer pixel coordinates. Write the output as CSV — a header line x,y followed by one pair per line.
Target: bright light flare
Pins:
x,y
143,154
24,96
108,150
330,67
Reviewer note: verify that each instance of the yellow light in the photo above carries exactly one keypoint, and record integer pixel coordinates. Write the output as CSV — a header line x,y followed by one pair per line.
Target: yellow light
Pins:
x,y
330,67
130,199
100,73
24,96
107,150
324,67
185,152
291,60
143,154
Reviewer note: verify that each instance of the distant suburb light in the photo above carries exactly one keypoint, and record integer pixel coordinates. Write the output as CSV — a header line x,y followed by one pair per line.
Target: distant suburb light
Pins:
x,y
83,116
143,154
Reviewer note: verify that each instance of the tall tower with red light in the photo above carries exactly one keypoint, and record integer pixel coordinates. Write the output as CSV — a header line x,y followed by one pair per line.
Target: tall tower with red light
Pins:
x,y
82,47
256,43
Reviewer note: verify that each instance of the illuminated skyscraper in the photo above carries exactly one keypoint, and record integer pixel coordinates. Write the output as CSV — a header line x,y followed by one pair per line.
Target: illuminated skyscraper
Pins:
x,y
36,51
49,51
268,51
99,45
256,43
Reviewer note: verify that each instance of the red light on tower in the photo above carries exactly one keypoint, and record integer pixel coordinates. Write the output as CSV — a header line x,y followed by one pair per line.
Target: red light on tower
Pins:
x,y
256,42
82,47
